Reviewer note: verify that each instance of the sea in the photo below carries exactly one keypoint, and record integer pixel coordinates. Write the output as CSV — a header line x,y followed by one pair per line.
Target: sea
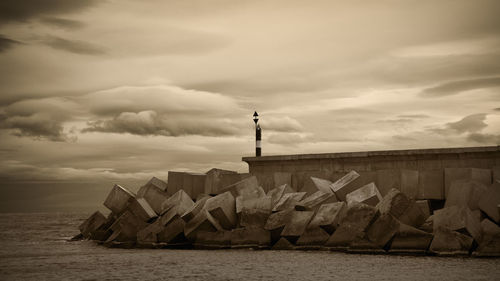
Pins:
x,y
35,246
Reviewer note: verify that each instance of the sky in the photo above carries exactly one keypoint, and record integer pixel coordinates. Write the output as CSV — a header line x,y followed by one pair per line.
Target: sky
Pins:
x,y
100,92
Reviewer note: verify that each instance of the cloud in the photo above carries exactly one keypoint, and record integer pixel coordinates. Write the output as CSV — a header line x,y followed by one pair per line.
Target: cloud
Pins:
x,y
456,87
7,43
484,138
472,123
62,23
414,116
24,10
74,46
281,124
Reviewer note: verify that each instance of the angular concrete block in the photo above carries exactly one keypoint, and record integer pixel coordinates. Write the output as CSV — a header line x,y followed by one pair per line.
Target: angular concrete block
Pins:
x,y
181,199
431,184
490,200
329,216
263,203
489,246
367,194
250,238
424,206
403,180
254,218
213,240
153,183
128,225
173,232
341,187
314,201
459,219
278,192
248,188
118,199
141,208
223,208
153,194
265,179
413,215
394,202
448,242
364,246
313,237
203,221
93,223
297,224
149,234
288,201
452,174
213,180
175,182
343,236
410,240
230,179
283,244
322,185
193,184
382,230
278,220
465,193
195,209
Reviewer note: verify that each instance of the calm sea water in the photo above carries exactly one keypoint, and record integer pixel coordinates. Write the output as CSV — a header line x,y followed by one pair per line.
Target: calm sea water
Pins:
x,y
34,247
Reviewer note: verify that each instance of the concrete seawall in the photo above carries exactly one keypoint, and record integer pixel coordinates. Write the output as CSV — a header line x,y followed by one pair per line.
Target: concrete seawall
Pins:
x,y
397,166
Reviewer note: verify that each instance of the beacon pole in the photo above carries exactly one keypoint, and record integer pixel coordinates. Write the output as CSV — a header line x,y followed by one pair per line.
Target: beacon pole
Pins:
x,y
258,135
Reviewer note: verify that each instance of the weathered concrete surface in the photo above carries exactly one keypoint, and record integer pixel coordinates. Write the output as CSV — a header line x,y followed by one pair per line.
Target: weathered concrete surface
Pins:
x,y
413,215
90,225
250,238
194,209
382,230
364,246
297,224
404,180
173,232
175,182
452,174
312,238
490,200
181,199
118,199
329,216
276,222
410,240
248,188
281,178
489,246
424,206
465,193
394,202
288,201
254,218
213,240
213,180
153,193
141,208
314,201
322,185
270,180
127,225
263,203
367,194
448,242
149,234
431,184
203,221
223,208
278,192
341,187
458,219
193,184
283,244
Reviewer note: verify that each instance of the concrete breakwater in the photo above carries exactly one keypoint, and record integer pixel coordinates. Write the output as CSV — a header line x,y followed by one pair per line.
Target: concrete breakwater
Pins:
x,y
396,211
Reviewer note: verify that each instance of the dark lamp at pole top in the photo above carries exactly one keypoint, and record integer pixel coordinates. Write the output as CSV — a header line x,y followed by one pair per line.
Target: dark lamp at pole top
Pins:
x,y
255,117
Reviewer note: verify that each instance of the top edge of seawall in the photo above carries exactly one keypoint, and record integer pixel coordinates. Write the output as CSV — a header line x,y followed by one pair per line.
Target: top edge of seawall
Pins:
x,y
455,150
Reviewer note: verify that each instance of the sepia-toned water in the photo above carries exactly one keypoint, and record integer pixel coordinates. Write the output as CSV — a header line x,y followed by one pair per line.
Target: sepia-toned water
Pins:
x,y
34,247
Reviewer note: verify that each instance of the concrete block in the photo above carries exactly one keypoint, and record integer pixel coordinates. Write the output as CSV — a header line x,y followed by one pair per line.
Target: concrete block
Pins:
x,y
490,200
149,234
128,225
230,179
175,182
281,178
343,236
265,179
322,185
277,192
141,208
452,174
203,221
118,199
394,202
181,199
153,194
278,220
424,206
173,232
297,224
329,216
91,224
409,183
250,238
254,218
413,215
263,203
489,246
341,187
448,242
213,240
195,209
367,194
313,237
283,244
403,180
364,246
459,219
314,201
213,180
431,184
288,201
193,184
495,170
465,193
154,183
410,240
382,230
201,196
223,208
248,188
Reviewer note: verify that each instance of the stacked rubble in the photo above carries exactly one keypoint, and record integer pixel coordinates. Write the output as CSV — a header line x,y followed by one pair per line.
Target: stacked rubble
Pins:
x,y
224,209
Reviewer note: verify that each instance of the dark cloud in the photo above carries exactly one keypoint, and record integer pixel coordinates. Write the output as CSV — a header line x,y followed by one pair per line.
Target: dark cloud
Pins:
x,y
484,138
63,23
456,87
24,10
74,46
7,43
472,123
414,116
497,109
152,123
36,126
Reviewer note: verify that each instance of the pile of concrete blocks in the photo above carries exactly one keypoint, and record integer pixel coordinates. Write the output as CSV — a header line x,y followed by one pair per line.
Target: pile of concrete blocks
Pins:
x,y
380,212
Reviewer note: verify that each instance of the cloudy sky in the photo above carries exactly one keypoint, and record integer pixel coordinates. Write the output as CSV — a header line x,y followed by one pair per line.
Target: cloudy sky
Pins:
x,y
95,92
